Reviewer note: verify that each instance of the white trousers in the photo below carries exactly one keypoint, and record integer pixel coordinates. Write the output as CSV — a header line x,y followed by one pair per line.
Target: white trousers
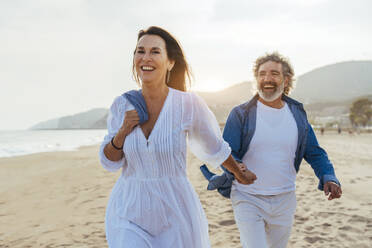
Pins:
x,y
264,221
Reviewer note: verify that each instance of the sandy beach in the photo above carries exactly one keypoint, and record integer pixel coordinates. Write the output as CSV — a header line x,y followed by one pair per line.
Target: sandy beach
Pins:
x,y
58,199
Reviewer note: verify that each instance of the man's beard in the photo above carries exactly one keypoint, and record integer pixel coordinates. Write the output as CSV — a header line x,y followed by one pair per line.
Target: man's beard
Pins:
x,y
271,96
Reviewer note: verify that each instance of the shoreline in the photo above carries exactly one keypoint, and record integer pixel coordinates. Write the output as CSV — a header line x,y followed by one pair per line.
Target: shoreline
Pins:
x,y
72,149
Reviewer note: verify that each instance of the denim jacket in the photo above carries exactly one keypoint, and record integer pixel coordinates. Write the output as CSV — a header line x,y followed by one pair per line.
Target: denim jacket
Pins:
x,y
135,97
239,129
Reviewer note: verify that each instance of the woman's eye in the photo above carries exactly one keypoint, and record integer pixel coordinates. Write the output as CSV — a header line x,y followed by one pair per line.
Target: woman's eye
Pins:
x,y
157,52
140,51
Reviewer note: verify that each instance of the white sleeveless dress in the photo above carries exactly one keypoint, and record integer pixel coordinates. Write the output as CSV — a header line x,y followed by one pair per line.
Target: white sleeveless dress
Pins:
x,y
153,204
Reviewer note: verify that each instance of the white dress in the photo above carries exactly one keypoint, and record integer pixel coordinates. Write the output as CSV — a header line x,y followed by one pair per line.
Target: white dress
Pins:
x,y
153,204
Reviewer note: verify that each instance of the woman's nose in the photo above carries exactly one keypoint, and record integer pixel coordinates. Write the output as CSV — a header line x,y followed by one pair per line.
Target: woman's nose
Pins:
x,y
146,57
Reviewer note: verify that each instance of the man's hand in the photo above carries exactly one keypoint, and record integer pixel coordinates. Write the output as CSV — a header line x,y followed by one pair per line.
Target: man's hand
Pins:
x,y
332,190
245,176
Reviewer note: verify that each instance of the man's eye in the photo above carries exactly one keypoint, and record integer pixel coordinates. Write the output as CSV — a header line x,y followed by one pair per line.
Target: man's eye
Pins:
x,y
140,51
157,52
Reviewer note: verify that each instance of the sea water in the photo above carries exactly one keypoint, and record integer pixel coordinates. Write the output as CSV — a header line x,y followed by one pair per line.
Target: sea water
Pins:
x,y
22,142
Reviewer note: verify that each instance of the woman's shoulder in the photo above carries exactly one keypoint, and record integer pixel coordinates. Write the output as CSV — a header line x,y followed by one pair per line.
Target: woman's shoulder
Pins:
x,y
185,95
119,101
120,104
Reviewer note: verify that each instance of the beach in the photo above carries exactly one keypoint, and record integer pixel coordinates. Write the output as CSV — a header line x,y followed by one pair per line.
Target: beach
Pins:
x,y
58,199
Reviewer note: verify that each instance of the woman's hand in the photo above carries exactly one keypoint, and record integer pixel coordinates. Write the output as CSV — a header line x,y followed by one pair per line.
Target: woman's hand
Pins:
x,y
131,120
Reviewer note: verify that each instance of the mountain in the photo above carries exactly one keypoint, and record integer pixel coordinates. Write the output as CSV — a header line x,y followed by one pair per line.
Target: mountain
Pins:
x,y
235,94
335,83
221,102
91,119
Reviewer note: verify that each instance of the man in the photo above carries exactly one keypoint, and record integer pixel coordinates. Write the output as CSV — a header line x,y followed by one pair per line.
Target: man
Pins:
x,y
270,135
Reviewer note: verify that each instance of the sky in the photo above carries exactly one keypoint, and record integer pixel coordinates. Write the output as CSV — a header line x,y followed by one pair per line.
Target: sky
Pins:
x,y
62,57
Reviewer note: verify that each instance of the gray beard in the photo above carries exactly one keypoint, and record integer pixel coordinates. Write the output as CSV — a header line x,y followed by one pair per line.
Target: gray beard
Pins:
x,y
270,97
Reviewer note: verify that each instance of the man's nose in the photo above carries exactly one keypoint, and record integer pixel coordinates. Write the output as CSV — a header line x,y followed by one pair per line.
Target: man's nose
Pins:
x,y
268,77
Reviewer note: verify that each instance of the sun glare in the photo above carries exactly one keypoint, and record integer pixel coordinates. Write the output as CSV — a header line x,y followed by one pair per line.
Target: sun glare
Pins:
x,y
209,85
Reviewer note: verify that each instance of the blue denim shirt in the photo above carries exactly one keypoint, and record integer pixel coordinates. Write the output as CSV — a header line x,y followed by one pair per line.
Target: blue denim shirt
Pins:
x,y
239,129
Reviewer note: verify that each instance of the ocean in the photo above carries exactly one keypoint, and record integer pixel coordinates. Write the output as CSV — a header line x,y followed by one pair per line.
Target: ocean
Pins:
x,y
22,142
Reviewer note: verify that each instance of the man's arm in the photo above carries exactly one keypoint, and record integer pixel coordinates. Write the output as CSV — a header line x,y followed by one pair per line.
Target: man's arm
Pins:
x,y
232,133
323,168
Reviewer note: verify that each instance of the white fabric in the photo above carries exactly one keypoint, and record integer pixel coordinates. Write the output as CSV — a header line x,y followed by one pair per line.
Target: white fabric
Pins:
x,y
264,221
272,152
153,192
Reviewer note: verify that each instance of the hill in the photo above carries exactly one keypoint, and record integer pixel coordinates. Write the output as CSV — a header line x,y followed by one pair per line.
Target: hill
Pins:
x,y
335,83
91,119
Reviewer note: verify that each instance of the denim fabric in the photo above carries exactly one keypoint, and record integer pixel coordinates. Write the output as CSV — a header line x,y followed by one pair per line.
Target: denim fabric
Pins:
x,y
135,97
240,127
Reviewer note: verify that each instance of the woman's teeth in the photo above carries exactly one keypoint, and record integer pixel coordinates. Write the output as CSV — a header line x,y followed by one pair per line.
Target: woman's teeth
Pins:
x,y
147,68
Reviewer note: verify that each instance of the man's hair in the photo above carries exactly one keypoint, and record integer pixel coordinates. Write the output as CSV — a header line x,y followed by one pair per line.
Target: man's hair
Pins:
x,y
287,68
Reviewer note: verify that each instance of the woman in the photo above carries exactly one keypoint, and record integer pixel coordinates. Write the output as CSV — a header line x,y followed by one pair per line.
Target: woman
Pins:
x,y
153,204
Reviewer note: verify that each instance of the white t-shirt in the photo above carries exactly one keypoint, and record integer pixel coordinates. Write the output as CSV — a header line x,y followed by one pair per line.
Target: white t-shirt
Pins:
x,y
272,152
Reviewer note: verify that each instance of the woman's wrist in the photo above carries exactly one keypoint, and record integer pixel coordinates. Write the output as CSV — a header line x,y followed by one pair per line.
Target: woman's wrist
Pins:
x,y
119,148
118,140
231,165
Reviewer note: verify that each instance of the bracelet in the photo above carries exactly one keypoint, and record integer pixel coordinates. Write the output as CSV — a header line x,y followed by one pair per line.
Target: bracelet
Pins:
x,y
113,145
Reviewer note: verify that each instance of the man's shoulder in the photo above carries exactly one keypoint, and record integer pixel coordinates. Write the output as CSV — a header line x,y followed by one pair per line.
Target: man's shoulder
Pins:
x,y
290,100
246,106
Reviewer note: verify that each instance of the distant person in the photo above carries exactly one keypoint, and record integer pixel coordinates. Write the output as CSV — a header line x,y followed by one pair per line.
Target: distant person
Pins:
x,y
153,204
339,130
322,130
270,135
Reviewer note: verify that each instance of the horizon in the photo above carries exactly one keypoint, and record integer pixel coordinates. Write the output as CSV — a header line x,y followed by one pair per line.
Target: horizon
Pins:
x,y
63,57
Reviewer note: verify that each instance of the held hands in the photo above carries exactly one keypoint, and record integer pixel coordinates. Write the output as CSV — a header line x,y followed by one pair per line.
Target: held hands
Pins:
x,y
332,190
244,176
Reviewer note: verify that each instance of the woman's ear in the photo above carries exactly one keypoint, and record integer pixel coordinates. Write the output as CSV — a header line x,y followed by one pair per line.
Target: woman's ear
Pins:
x,y
171,64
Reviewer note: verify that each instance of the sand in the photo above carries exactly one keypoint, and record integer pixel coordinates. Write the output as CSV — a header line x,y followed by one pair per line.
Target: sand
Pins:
x,y
58,199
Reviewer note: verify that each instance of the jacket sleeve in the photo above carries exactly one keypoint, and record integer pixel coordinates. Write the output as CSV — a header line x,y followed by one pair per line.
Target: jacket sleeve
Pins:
x,y
232,133
318,159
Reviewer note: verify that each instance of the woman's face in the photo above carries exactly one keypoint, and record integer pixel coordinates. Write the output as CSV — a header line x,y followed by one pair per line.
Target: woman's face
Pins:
x,y
151,59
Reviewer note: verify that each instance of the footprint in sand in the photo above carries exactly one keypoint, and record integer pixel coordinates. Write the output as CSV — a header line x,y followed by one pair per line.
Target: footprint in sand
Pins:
x,y
314,239
326,224
349,229
227,222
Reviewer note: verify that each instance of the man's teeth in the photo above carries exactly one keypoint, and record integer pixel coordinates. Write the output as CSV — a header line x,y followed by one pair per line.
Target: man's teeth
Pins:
x,y
147,68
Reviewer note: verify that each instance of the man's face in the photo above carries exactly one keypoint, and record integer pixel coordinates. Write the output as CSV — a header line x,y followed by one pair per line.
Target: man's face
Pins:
x,y
270,81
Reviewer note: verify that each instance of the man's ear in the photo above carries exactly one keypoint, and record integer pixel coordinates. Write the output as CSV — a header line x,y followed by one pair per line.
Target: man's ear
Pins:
x,y
286,81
